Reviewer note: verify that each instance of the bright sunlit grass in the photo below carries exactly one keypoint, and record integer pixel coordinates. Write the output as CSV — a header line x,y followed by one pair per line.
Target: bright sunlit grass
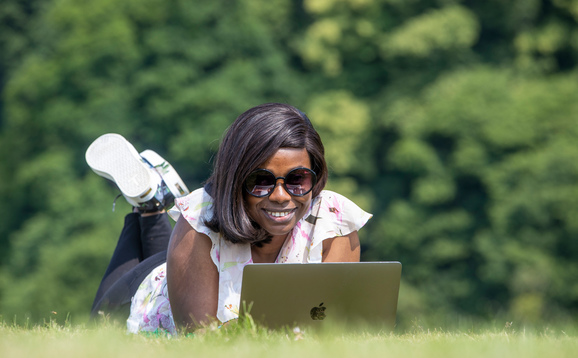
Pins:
x,y
107,340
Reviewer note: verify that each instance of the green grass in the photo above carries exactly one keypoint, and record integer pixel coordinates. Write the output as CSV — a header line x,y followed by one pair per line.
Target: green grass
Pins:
x,y
107,340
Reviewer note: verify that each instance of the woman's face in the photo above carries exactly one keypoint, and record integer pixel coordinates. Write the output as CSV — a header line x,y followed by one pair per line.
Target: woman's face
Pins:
x,y
279,212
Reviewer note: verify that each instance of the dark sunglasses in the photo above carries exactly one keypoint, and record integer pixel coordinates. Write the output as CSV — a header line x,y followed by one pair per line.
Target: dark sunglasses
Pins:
x,y
297,182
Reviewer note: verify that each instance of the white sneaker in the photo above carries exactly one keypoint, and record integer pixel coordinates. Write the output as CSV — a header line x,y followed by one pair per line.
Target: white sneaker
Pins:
x,y
113,157
169,175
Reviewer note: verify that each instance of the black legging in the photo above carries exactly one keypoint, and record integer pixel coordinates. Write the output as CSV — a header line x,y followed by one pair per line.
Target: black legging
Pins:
x,y
142,246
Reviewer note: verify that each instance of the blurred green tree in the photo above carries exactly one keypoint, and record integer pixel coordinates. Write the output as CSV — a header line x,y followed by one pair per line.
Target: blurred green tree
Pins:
x,y
484,218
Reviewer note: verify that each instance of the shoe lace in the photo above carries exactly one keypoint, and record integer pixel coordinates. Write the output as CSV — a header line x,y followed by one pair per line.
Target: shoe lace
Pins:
x,y
114,202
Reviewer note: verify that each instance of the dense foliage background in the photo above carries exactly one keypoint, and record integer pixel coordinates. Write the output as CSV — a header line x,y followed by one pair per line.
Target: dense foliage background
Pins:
x,y
454,122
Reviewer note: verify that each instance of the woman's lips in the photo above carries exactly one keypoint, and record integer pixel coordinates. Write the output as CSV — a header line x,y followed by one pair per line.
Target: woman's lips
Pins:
x,y
279,215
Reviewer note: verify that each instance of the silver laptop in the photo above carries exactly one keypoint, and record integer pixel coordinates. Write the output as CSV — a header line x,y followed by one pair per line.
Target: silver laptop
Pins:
x,y
360,294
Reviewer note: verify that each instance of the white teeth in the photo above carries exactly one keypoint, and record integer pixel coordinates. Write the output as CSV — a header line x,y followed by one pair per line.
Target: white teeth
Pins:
x,y
278,214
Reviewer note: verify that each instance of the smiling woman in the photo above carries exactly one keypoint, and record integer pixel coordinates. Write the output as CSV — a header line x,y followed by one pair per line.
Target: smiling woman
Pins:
x,y
264,203
279,211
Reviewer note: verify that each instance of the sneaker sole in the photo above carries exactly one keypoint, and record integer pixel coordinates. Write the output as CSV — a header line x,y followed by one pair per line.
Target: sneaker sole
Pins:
x,y
113,157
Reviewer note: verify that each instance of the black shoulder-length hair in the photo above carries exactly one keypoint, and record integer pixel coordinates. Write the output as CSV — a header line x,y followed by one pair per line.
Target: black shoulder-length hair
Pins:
x,y
252,139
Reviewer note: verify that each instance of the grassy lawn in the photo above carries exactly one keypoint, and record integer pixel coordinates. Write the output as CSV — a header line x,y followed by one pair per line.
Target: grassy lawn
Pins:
x,y
53,340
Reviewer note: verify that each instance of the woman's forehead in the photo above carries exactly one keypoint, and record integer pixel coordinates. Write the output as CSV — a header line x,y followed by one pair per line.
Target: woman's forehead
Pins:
x,y
285,159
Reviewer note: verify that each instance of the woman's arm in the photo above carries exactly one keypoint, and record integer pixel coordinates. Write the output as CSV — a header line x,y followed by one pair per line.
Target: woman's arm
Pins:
x,y
342,248
192,277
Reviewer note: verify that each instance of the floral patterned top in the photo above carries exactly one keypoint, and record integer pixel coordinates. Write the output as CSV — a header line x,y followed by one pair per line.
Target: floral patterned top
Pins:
x,y
329,215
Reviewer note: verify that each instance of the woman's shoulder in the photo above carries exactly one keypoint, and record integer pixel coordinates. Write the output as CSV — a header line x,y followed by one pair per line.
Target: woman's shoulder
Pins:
x,y
196,208
336,213
193,204
197,196
331,200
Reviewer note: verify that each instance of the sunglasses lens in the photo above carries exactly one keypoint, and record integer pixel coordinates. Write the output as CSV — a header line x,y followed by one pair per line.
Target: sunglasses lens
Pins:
x,y
300,181
260,183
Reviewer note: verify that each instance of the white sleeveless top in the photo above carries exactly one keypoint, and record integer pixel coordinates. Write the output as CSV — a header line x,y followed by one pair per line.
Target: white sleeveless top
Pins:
x,y
329,215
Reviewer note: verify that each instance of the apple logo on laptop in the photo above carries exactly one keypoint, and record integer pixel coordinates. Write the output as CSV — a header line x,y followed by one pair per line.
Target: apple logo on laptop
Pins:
x,y
318,312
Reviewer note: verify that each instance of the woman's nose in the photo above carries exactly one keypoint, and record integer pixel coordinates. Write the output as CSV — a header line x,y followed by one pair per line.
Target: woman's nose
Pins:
x,y
279,193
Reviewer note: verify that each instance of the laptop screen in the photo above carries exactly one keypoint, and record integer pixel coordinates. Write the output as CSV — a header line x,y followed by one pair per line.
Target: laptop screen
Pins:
x,y
317,294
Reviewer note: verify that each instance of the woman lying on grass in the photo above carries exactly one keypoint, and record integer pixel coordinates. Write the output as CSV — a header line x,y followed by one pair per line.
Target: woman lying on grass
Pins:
x,y
264,203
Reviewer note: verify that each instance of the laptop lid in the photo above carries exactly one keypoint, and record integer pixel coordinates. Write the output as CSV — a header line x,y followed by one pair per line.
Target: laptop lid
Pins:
x,y
320,294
